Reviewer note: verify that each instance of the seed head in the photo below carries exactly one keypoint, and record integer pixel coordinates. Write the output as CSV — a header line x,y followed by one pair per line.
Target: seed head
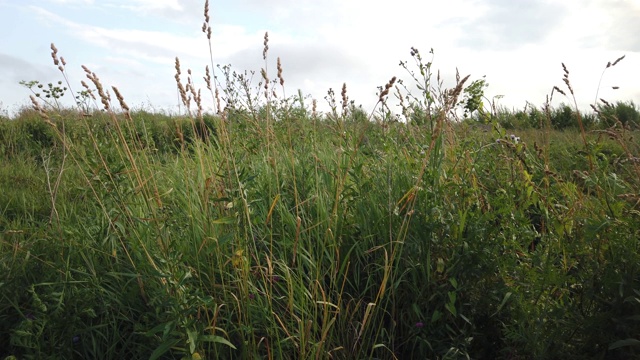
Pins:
x,y
280,73
266,46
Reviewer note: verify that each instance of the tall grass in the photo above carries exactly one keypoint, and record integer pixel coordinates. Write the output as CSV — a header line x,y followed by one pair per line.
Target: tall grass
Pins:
x,y
268,230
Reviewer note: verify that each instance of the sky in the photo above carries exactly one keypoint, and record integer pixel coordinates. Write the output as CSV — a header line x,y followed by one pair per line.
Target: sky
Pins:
x,y
518,46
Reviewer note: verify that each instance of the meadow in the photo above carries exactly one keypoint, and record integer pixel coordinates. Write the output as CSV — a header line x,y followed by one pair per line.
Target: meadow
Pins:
x,y
450,229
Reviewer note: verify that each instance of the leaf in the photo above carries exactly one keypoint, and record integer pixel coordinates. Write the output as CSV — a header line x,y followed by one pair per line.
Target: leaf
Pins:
x,y
626,342
193,338
436,316
452,309
163,348
224,220
218,340
506,298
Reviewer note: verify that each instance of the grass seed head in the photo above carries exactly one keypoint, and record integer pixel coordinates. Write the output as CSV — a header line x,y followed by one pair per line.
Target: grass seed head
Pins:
x,y
345,99
280,72
266,46
54,54
618,60
120,98
388,86
314,108
206,11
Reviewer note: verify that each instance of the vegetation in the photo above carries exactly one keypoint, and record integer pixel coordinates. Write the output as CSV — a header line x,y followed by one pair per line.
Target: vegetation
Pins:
x,y
269,230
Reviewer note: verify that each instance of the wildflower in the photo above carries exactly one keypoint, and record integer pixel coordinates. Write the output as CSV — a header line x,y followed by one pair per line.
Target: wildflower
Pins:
x,y
419,324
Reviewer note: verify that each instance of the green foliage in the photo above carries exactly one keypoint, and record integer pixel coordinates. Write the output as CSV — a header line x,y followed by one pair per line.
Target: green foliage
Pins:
x,y
624,112
473,95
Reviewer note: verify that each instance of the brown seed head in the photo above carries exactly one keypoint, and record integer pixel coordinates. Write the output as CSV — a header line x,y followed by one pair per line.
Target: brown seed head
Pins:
x,y
123,104
558,90
453,95
177,67
104,97
218,100
266,46
207,77
566,81
280,73
314,107
40,110
206,11
345,99
54,55
618,60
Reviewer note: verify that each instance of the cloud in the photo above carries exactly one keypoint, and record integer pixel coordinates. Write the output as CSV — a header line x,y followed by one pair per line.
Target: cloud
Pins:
x,y
14,70
508,24
154,46
72,2
624,26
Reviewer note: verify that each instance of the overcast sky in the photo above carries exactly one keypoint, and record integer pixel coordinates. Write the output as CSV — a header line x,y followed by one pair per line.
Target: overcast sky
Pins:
x,y
518,45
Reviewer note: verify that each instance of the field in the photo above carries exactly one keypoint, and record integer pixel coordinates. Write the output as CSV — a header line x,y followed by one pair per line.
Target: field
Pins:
x,y
270,230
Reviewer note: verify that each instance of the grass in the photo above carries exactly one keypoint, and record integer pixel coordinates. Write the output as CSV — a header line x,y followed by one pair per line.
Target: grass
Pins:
x,y
269,230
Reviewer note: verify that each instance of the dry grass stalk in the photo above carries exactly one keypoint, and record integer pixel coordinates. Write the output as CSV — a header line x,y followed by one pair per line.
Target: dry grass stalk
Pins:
x,y
40,110
609,64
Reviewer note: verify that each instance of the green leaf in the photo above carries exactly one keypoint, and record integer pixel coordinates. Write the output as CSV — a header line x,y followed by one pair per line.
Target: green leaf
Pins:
x,y
163,348
452,309
224,220
626,342
217,339
193,337
506,298
436,316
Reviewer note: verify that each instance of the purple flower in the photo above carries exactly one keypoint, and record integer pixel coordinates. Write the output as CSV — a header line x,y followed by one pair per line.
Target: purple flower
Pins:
x,y
252,296
275,278
419,324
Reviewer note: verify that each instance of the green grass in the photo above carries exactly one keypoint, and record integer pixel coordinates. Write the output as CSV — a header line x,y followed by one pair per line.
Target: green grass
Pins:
x,y
271,231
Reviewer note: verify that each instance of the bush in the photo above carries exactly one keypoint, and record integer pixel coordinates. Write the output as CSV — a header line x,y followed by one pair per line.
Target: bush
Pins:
x,y
625,112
